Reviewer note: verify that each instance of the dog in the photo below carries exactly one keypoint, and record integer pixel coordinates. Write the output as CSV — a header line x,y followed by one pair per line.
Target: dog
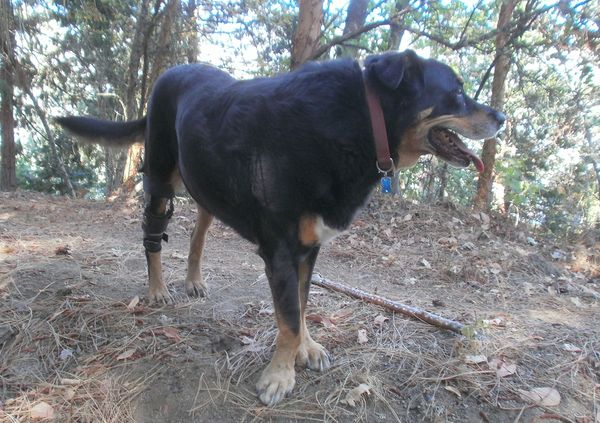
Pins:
x,y
287,162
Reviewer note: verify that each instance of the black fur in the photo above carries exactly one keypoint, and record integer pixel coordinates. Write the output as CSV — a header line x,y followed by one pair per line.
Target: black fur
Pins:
x,y
261,154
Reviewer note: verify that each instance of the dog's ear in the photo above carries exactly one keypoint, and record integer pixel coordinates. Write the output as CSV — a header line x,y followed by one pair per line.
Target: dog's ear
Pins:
x,y
391,68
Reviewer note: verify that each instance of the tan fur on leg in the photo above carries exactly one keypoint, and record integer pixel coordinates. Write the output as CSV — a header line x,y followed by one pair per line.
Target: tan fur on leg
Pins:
x,y
279,377
194,284
157,291
311,354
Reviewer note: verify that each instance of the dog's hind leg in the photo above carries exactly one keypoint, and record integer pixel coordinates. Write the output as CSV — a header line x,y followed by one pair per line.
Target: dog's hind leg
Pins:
x,y
194,284
154,225
311,354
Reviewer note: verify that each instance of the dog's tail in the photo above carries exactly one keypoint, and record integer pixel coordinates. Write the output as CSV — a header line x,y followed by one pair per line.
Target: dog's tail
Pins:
x,y
97,131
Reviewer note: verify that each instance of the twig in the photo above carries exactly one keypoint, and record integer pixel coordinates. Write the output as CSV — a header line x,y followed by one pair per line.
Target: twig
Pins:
x,y
414,312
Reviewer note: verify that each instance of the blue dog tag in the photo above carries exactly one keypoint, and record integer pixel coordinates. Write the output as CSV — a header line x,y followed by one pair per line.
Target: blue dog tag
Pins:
x,y
386,185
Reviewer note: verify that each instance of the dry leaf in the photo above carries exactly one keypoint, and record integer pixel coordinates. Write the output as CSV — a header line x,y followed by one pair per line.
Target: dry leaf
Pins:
x,y
127,354
133,303
67,381
425,263
453,390
41,410
171,333
545,396
62,251
407,218
502,368
362,336
326,321
576,301
571,348
381,319
475,359
355,395
496,321
69,393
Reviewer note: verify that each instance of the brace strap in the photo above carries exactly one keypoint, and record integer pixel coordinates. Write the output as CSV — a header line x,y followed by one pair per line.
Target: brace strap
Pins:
x,y
154,227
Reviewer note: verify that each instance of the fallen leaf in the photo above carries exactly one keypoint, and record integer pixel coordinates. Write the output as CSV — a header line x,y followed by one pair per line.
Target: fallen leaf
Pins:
x,y
362,336
501,367
326,321
407,218
171,333
246,340
496,321
381,319
127,354
69,393
133,303
423,262
177,255
495,268
571,348
576,301
355,395
453,390
41,411
62,251
475,359
545,396
449,242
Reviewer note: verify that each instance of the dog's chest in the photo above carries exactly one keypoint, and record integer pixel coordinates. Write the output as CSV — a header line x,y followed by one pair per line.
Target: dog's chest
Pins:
x,y
313,231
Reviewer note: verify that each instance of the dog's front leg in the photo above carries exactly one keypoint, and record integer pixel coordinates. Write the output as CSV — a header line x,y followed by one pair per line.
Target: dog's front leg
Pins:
x,y
311,354
279,377
194,283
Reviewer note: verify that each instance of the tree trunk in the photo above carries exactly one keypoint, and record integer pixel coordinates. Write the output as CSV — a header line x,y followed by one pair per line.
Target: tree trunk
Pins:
x,y
397,26
56,152
164,48
134,154
443,169
306,38
355,19
488,156
192,32
8,177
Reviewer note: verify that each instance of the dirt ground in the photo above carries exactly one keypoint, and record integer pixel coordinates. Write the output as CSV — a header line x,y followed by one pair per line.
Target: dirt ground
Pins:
x,y
80,343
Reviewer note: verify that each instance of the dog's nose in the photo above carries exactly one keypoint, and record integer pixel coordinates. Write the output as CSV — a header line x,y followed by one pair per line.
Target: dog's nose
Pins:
x,y
500,117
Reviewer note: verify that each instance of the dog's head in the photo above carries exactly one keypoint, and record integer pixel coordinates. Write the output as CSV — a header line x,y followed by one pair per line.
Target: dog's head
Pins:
x,y
431,107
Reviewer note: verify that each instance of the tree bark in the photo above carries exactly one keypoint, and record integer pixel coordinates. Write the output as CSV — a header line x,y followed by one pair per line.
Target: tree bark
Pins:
x,y
164,48
355,19
192,32
397,26
306,38
8,177
132,111
488,156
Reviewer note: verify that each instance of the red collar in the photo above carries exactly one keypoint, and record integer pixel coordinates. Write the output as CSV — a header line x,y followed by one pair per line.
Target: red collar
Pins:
x,y
385,164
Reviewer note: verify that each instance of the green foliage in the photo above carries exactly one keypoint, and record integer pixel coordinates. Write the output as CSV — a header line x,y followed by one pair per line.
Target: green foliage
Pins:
x,y
76,56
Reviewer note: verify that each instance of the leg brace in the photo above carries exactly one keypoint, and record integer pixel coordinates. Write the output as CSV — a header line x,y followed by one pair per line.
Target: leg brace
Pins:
x,y
154,227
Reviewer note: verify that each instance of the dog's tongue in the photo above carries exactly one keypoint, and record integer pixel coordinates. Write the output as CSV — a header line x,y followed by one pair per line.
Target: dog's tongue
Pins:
x,y
476,160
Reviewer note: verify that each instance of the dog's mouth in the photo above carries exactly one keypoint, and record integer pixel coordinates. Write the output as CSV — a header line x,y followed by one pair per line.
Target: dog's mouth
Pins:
x,y
448,146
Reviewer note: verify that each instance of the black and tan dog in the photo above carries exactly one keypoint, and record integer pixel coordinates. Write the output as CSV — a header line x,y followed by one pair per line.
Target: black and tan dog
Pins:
x,y
287,162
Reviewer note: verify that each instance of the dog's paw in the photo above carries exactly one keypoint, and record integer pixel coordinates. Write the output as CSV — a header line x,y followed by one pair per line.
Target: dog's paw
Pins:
x,y
196,288
275,384
313,355
160,296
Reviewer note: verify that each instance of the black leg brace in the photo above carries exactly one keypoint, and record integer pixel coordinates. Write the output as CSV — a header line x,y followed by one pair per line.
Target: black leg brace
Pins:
x,y
154,227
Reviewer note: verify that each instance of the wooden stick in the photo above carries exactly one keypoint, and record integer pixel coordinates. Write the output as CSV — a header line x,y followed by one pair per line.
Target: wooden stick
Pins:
x,y
414,312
